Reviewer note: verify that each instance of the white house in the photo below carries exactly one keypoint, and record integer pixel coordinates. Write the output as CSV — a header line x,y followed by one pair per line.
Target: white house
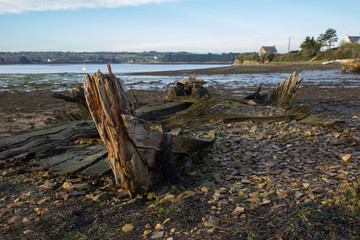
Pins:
x,y
267,49
352,39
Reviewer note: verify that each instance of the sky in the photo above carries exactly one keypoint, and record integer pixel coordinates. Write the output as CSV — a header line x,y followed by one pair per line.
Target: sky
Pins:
x,y
199,26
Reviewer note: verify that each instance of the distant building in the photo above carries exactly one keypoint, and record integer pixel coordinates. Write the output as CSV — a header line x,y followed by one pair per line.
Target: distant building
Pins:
x,y
267,49
352,39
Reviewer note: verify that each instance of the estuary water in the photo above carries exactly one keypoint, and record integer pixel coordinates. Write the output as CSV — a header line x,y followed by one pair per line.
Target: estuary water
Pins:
x,y
56,77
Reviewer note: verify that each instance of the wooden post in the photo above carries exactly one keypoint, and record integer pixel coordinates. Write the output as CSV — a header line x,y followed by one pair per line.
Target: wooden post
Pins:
x,y
133,145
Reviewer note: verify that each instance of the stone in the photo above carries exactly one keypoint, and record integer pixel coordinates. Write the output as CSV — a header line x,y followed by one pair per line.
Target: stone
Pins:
x,y
298,194
346,158
169,197
14,220
254,200
159,226
27,231
245,181
157,235
238,211
330,181
223,202
147,232
127,228
67,185
49,184
101,197
211,222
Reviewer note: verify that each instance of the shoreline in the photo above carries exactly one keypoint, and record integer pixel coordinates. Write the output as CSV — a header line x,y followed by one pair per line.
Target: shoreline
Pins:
x,y
248,68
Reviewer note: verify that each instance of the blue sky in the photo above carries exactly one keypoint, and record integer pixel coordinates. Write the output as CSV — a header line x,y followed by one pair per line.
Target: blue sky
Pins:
x,y
170,25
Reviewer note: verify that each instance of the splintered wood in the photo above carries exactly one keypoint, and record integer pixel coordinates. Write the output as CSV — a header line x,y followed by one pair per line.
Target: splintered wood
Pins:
x,y
109,107
285,93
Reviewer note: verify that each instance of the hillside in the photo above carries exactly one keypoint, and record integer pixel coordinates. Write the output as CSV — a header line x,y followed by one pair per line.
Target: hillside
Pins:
x,y
113,57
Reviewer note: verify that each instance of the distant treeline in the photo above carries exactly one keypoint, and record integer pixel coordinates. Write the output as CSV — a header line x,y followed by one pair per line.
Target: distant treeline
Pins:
x,y
111,57
345,51
191,57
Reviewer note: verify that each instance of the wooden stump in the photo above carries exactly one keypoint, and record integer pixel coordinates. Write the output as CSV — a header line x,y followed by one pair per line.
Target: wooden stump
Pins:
x,y
134,146
284,93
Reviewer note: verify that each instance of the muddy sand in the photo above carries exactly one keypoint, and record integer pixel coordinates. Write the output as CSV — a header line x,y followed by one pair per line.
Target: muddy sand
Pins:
x,y
25,110
271,180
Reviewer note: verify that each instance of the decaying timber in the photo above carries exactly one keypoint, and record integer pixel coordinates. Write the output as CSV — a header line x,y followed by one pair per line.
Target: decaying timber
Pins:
x,y
39,141
77,96
191,89
353,65
136,148
108,105
282,96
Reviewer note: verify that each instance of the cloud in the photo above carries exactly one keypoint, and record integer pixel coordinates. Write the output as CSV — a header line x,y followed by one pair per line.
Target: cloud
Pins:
x,y
19,6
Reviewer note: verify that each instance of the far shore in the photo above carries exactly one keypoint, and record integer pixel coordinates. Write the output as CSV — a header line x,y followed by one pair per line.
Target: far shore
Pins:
x,y
249,68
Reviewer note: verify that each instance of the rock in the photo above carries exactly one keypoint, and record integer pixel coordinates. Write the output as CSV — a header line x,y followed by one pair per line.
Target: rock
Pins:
x,y
270,164
127,228
330,181
254,200
122,194
308,133
147,232
49,184
223,202
169,197
245,181
318,190
67,185
101,197
238,211
211,222
281,193
27,231
14,220
159,226
298,194
157,235
346,158
204,189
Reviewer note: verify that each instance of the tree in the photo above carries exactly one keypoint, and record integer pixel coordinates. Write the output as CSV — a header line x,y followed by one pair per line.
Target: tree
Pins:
x,y
328,38
310,47
24,60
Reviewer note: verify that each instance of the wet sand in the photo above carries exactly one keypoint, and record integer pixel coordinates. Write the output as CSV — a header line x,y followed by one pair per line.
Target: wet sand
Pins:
x,y
250,68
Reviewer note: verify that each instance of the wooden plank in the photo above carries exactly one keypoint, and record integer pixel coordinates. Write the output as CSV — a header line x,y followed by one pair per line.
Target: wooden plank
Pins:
x,y
187,115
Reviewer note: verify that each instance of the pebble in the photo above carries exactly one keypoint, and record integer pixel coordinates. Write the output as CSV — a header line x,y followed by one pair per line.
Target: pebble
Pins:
x,y
238,211
101,197
159,226
346,158
127,228
211,222
157,235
